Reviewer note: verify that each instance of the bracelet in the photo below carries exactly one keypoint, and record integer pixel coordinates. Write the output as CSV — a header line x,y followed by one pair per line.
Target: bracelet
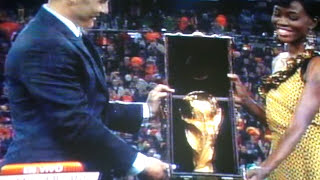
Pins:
x,y
254,167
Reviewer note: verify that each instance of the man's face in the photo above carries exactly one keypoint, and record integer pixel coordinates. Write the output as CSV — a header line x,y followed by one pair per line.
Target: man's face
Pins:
x,y
85,12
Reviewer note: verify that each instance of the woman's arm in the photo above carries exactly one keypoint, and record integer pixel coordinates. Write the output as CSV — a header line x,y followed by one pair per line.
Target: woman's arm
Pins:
x,y
242,97
306,109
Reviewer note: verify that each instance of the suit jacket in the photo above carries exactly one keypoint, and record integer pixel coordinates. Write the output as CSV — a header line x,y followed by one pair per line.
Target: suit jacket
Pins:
x,y
59,101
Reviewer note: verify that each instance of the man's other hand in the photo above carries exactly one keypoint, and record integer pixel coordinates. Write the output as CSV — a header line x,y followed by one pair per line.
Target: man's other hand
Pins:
x,y
155,96
155,170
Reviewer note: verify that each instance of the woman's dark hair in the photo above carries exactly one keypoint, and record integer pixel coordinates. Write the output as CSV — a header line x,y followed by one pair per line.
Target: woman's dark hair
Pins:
x,y
310,6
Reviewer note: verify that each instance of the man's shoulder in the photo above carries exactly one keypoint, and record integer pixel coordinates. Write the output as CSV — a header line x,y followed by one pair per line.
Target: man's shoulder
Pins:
x,y
37,35
38,29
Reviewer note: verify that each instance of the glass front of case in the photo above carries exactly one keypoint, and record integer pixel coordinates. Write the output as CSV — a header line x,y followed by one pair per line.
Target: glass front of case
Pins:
x,y
201,111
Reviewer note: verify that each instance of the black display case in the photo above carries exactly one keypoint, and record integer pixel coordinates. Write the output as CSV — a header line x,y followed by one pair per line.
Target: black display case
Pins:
x,y
200,63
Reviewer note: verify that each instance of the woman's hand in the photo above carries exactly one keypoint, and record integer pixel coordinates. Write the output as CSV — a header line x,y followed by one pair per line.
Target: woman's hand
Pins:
x,y
241,95
257,173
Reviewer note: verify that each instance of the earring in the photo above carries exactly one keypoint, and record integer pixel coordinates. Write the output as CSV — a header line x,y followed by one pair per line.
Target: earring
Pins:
x,y
275,35
310,40
276,39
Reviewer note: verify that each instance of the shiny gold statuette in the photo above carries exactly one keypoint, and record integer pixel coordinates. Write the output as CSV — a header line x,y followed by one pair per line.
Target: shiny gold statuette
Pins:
x,y
202,128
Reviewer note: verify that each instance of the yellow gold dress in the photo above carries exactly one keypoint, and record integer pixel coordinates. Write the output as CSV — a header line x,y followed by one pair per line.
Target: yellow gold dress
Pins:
x,y
304,162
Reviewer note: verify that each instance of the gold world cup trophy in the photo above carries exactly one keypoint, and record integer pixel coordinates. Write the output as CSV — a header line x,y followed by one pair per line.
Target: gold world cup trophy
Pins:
x,y
202,128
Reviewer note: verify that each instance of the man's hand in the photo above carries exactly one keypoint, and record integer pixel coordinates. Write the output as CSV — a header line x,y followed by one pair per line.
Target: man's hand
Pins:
x,y
155,96
155,170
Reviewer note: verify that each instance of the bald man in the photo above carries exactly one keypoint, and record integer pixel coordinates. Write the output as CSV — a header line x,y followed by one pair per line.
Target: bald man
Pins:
x,y
59,98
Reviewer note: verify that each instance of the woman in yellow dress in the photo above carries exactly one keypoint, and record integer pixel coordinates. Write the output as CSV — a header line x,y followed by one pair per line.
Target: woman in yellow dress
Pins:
x,y
292,94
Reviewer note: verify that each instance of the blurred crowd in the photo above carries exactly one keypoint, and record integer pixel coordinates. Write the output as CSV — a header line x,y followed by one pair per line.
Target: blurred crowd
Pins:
x,y
253,21
133,51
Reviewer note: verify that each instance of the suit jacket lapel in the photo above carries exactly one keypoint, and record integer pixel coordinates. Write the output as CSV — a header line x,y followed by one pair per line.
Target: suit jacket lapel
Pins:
x,y
96,63
94,53
45,17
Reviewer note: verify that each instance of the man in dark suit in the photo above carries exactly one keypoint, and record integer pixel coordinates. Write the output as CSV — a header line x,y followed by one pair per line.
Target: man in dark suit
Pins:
x,y
59,97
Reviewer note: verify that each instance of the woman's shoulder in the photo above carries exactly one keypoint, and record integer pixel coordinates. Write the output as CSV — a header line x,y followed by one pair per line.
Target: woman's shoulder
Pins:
x,y
313,68
314,62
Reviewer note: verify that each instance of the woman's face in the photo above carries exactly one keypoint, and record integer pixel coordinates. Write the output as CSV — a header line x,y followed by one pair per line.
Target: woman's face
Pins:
x,y
291,23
